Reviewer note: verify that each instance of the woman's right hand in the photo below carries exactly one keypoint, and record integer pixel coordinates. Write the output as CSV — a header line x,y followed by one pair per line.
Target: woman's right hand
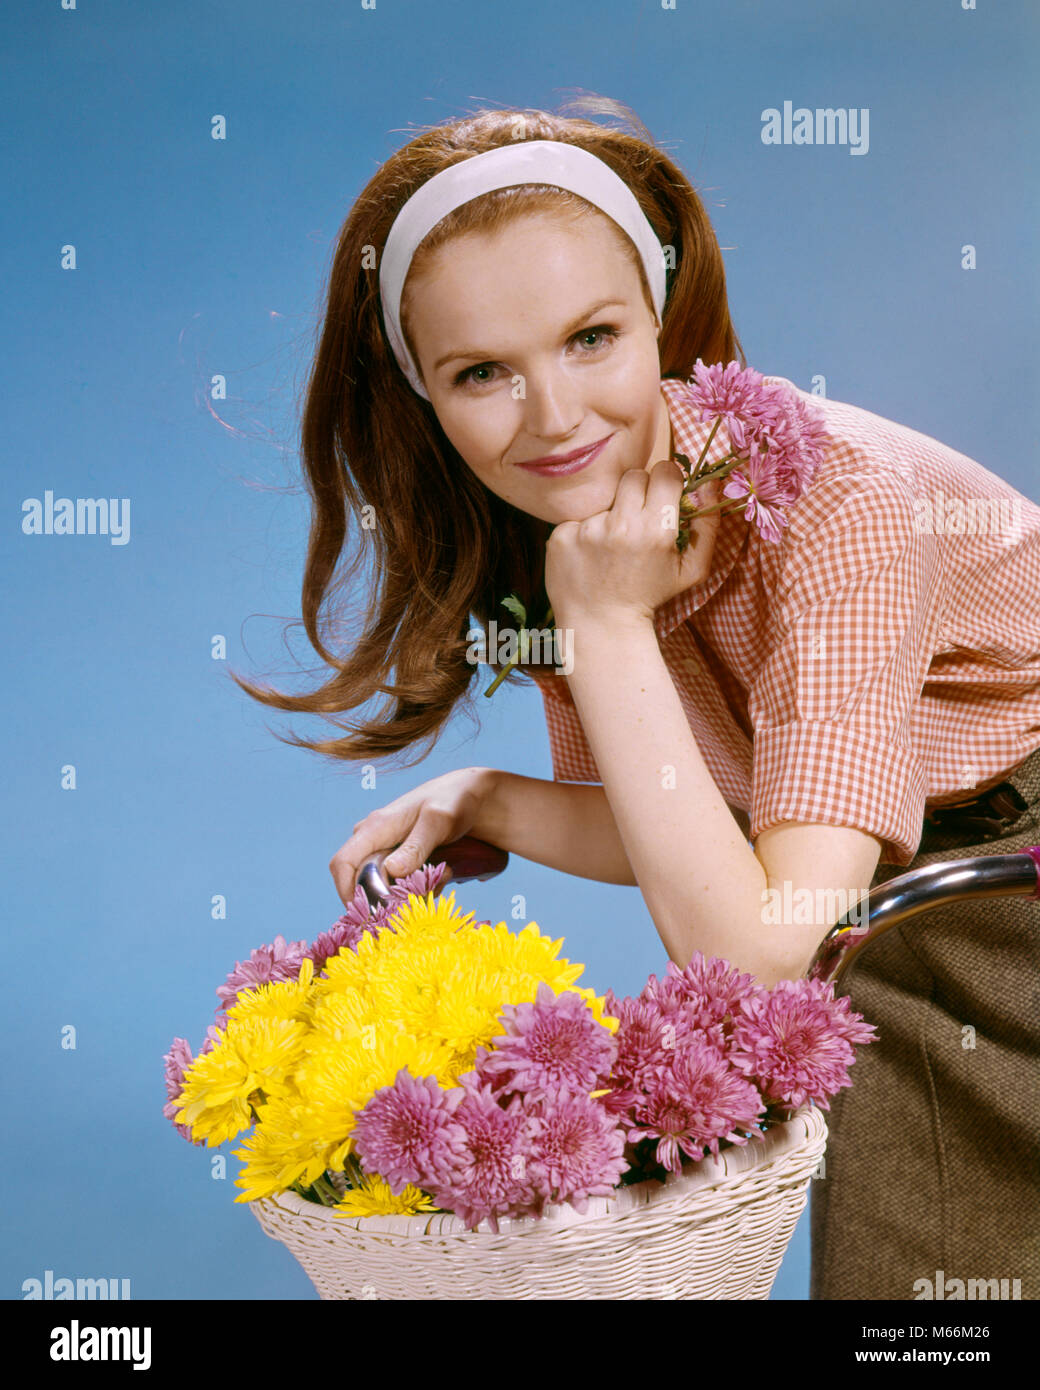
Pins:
x,y
434,813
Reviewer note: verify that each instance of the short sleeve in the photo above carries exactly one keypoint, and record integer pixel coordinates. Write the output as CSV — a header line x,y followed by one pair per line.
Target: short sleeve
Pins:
x,y
572,759
855,614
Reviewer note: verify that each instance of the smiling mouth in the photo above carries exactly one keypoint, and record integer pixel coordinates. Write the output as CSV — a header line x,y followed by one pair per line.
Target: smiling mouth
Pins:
x,y
568,463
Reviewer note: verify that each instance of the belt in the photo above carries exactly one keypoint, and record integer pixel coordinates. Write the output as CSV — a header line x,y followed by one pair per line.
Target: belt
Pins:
x,y
986,817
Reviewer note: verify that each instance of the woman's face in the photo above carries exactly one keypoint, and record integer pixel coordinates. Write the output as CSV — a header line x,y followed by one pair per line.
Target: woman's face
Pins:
x,y
537,341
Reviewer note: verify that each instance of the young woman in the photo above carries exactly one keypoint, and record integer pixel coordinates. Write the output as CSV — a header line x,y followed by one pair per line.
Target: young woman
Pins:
x,y
519,289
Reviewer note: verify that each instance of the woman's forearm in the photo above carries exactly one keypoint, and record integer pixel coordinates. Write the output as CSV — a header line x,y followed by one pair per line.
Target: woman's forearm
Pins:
x,y
565,825
701,880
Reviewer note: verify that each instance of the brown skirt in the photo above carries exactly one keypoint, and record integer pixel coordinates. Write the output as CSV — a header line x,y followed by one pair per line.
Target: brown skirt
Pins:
x,y
932,1168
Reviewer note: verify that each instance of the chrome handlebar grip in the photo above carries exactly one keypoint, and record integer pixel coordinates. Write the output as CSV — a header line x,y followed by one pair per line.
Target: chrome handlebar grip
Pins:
x,y
467,858
935,885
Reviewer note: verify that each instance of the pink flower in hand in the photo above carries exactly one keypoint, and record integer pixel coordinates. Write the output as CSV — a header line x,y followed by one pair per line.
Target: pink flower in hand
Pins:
x,y
766,495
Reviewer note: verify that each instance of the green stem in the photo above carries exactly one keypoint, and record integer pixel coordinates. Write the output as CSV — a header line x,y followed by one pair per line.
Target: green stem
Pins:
x,y
352,1168
707,444
546,622
717,470
730,504
326,1192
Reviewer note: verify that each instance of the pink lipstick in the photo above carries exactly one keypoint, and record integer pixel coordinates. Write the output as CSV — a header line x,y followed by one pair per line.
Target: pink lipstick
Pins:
x,y
567,463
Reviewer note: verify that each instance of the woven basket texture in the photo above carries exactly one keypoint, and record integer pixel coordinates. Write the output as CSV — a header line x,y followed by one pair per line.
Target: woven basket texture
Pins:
x,y
717,1230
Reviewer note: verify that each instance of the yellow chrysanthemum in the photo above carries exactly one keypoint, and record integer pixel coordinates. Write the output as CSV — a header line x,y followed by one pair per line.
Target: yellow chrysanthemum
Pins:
x,y
289,999
454,986
416,921
467,1006
430,916
531,958
403,982
290,1144
374,1198
348,1012
527,950
254,1054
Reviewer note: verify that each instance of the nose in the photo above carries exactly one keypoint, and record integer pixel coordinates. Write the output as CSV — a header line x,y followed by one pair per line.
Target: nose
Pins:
x,y
552,406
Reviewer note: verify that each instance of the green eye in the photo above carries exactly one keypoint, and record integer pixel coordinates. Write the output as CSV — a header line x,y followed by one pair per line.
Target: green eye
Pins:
x,y
606,332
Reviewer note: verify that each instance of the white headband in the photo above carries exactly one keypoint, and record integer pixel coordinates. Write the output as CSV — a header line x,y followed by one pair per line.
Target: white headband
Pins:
x,y
528,161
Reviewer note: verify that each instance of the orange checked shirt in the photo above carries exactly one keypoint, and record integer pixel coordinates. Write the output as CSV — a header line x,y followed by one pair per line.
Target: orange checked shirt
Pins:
x,y
883,656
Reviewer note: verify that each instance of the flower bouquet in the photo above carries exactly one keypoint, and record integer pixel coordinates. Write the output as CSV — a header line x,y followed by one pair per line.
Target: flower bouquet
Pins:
x,y
437,1109
776,444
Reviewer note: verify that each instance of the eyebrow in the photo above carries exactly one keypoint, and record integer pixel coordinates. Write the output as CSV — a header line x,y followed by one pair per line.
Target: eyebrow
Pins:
x,y
463,353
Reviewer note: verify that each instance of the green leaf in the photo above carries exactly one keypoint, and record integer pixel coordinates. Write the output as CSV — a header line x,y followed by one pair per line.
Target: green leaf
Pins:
x,y
515,607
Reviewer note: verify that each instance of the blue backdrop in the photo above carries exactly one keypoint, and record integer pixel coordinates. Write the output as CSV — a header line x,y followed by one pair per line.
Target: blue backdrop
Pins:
x,y
197,257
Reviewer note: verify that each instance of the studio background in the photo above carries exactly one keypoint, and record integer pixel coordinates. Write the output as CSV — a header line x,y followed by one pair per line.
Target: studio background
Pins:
x,y
198,257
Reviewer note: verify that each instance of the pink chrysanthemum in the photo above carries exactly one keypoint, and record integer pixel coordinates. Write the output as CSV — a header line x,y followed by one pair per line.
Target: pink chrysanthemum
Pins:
x,y
266,965
406,1134
427,879
357,921
707,991
482,1158
647,1040
694,1104
496,1177
698,1002
552,1046
779,438
796,440
578,1152
175,1063
329,943
737,394
757,483
795,1041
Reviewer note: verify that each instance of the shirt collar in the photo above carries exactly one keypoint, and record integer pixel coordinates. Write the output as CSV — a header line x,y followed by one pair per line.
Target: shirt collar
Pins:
x,y
690,434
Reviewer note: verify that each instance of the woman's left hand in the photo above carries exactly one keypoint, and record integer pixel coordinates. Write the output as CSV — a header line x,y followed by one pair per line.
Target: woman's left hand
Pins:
x,y
624,562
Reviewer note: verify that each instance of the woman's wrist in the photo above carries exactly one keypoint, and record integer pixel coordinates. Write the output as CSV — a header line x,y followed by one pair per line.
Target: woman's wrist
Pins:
x,y
492,819
605,622
567,826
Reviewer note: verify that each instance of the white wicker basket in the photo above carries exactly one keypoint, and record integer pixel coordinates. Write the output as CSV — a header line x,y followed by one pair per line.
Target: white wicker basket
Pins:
x,y
717,1230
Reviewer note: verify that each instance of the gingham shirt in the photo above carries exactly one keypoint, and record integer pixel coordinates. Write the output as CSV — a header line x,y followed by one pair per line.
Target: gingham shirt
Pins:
x,y
866,665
